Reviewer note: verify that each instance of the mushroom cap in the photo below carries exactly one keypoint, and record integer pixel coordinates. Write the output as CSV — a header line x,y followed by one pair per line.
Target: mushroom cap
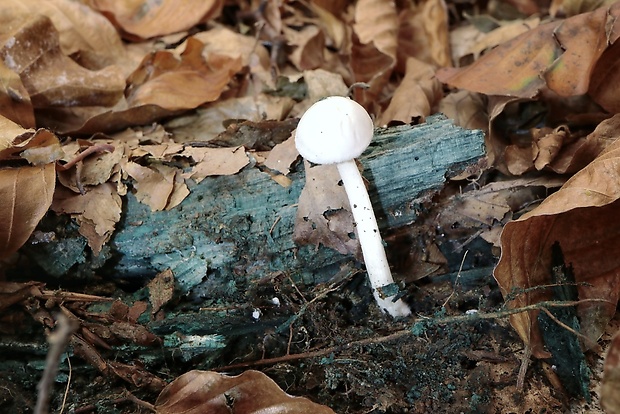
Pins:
x,y
333,130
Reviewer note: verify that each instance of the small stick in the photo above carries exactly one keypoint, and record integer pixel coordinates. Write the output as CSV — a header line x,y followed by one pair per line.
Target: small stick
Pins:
x,y
59,339
82,155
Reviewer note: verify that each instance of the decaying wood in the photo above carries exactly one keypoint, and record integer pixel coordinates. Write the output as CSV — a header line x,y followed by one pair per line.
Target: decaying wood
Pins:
x,y
234,229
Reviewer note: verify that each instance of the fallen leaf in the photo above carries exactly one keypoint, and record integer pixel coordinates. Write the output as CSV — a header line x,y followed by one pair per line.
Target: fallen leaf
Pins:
x,y
610,384
323,214
174,84
416,97
208,122
581,216
466,109
26,194
97,212
423,34
282,156
146,19
559,55
83,32
309,43
153,185
374,54
15,101
31,48
251,392
161,290
215,161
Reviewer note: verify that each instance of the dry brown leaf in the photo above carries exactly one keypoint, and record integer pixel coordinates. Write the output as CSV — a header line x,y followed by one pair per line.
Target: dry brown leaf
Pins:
x,y
374,54
282,156
466,109
31,48
174,84
162,152
323,214
97,212
416,97
38,147
83,32
309,43
14,98
334,28
502,34
253,55
606,78
161,290
179,191
211,392
26,194
610,384
153,185
150,19
582,216
559,150
572,7
215,161
423,34
321,84
560,55
95,169
207,123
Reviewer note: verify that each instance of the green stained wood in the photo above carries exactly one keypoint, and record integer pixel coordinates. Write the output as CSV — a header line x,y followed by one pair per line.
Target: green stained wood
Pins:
x,y
234,230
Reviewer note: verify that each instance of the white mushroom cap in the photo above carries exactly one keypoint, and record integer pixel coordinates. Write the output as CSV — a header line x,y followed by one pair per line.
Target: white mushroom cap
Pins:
x,y
334,130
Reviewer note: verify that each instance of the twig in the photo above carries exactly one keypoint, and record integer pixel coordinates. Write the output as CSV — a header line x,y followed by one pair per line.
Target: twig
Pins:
x,y
64,398
82,155
525,361
58,340
456,279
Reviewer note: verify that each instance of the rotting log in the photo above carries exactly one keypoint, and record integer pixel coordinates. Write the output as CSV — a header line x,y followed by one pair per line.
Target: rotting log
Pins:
x,y
232,233
234,229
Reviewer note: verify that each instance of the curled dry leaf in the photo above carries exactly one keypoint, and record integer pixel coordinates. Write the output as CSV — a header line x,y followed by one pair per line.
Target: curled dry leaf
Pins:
x,y
251,392
560,55
26,191
97,212
150,19
582,217
31,48
174,84
610,385
417,95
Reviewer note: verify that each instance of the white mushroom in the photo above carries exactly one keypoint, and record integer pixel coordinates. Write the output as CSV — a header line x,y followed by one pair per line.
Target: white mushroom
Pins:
x,y
336,130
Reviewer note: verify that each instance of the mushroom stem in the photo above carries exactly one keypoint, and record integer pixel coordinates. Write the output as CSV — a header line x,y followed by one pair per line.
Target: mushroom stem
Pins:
x,y
370,239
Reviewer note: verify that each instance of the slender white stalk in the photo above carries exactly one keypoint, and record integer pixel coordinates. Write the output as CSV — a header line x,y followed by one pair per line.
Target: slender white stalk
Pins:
x,y
370,239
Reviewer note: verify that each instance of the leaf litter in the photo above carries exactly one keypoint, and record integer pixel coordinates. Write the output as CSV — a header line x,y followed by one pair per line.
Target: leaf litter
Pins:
x,y
103,98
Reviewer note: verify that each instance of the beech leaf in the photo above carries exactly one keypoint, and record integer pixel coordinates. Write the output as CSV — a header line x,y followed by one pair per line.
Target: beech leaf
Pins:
x,y
610,385
323,214
26,194
560,55
198,392
582,217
